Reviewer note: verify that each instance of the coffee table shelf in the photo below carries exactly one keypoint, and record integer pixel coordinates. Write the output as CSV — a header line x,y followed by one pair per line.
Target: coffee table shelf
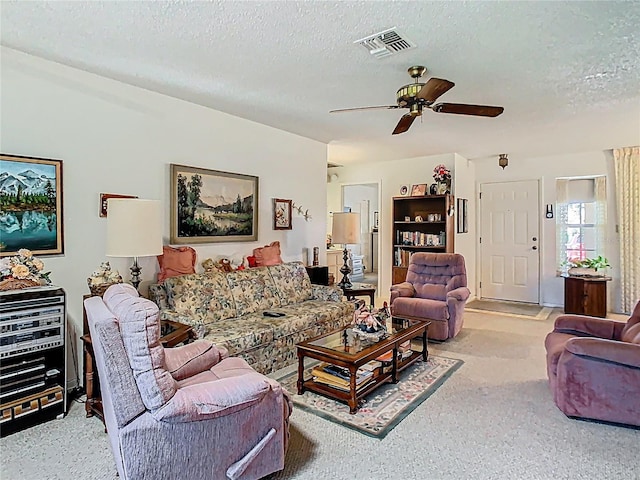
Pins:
x,y
330,348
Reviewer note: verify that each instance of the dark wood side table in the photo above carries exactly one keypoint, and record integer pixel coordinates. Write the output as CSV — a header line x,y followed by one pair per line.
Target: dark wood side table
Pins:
x,y
586,295
173,334
361,290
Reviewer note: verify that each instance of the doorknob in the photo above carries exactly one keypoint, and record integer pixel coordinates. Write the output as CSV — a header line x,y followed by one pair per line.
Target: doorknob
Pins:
x,y
534,248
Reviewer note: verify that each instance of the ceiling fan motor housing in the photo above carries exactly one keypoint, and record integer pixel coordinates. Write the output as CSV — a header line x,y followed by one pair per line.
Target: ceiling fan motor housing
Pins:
x,y
407,95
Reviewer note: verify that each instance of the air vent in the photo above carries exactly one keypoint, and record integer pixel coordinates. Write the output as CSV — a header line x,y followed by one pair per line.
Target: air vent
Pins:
x,y
386,43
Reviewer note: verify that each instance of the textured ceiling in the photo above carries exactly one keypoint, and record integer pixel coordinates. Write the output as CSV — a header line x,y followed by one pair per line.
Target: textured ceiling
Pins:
x,y
567,73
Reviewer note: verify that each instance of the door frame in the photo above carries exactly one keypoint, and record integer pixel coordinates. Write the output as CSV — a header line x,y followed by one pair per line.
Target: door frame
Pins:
x,y
378,184
479,233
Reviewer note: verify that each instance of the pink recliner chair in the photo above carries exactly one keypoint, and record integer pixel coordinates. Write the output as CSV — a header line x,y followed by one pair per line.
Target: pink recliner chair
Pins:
x,y
593,366
189,412
435,290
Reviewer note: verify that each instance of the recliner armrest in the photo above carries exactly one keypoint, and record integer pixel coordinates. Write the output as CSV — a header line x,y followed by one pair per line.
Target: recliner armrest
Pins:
x,y
193,358
404,289
218,398
627,354
460,294
590,326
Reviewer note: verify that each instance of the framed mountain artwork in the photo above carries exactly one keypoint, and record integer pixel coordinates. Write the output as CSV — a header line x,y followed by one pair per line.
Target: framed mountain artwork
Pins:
x,y
30,205
209,206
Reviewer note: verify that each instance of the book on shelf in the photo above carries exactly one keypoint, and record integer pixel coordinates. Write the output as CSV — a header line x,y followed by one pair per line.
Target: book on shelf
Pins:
x,y
339,375
340,386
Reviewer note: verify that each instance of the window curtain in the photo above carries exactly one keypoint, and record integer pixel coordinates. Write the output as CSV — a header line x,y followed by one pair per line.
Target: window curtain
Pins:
x,y
627,172
562,213
600,195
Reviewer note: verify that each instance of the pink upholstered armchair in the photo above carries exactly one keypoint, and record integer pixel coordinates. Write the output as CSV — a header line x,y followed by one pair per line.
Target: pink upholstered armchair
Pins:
x,y
189,412
435,290
593,366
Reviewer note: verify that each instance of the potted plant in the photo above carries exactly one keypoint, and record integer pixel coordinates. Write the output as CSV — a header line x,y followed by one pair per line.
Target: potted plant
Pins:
x,y
590,267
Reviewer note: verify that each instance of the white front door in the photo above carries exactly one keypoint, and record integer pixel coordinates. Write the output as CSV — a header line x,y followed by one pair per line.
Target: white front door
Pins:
x,y
509,241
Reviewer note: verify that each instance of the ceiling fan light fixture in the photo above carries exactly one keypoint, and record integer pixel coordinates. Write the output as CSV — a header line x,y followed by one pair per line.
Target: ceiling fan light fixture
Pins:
x,y
503,161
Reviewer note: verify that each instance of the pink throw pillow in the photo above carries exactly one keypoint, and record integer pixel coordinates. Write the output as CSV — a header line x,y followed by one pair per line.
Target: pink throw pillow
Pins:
x,y
268,255
176,261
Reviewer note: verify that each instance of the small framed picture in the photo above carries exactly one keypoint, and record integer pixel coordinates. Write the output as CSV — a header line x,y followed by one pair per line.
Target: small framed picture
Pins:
x,y
106,196
404,190
282,214
419,190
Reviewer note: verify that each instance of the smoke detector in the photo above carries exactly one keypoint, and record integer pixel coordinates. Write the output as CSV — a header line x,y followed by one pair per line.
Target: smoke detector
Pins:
x,y
386,43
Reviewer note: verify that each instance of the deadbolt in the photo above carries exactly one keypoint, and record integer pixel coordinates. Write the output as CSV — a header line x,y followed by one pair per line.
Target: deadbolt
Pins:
x,y
534,239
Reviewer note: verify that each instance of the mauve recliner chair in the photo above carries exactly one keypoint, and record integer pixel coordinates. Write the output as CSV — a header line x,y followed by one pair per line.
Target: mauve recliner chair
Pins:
x,y
435,290
593,366
187,413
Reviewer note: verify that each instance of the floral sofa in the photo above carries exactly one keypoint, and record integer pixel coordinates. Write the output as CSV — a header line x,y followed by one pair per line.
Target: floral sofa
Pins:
x,y
227,309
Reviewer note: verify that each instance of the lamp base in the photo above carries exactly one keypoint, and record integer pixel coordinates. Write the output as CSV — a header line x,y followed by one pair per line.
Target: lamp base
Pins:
x,y
135,273
345,270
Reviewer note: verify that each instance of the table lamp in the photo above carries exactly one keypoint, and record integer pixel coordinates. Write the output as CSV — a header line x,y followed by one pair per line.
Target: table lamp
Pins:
x,y
345,230
134,229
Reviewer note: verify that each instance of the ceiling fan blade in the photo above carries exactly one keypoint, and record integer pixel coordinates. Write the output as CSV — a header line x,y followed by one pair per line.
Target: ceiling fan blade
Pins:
x,y
464,109
434,88
404,123
385,107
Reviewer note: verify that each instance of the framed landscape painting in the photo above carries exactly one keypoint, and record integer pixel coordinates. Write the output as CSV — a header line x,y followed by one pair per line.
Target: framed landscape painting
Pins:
x,y
209,206
30,205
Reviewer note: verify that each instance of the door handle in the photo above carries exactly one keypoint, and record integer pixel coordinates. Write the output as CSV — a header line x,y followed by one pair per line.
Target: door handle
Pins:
x,y
534,248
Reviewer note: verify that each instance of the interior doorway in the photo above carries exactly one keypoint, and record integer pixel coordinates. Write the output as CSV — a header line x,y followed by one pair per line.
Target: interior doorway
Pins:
x,y
363,198
509,241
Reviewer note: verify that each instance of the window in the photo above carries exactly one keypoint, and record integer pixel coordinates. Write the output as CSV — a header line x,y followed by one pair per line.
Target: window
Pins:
x,y
581,219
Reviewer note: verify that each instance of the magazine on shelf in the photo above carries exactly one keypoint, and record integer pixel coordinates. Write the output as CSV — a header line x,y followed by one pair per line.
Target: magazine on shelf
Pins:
x,y
336,375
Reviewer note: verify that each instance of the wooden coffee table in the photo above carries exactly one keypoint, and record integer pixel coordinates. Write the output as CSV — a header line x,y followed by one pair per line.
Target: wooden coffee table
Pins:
x,y
334,348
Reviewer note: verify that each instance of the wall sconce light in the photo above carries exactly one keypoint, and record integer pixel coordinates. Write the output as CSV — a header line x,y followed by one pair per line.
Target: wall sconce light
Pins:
x,y
503,161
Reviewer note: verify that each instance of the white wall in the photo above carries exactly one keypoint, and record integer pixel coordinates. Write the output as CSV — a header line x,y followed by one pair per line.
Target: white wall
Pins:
x,y
546,170
391,176
115,138
466,243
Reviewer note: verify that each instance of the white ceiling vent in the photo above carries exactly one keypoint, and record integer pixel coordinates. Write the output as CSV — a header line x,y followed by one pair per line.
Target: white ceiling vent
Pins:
x,y
386,43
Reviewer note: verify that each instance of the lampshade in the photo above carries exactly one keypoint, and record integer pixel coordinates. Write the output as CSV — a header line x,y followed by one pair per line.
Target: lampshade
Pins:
x,y
134,227
345,228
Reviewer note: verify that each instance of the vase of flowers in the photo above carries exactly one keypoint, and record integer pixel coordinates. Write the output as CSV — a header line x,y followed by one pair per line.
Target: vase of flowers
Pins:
x,y
22,271
442,176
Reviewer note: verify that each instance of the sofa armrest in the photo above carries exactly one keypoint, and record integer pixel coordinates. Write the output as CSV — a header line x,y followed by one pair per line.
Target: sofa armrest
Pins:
x,y
461,294
327,293
404,289
627,354
218,398
589,326
198,327
191,359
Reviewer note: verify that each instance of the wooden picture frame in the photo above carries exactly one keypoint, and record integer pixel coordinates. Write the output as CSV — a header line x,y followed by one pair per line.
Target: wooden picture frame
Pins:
x,y
210,206
419,190
31,197
104,197
282,212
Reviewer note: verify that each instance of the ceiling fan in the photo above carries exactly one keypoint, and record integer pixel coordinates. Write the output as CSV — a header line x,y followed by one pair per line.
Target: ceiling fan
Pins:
x,y
417,96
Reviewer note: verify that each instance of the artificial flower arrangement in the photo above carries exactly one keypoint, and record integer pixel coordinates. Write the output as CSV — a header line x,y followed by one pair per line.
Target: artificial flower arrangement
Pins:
x,y
369,322
441,174
22,270
102,278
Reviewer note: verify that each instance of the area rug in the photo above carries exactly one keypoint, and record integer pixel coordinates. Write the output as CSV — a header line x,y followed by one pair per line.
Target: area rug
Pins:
x,y
385,407
511,309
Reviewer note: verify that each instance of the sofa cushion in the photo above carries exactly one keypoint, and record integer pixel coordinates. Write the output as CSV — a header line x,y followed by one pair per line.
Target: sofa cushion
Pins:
x,y
240,333
432,291
176,261
420,307
204,296
253,290
140,330
292,282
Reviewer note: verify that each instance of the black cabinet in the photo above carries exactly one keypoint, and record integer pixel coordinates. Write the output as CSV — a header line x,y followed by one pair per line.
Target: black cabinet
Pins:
x,y
318,275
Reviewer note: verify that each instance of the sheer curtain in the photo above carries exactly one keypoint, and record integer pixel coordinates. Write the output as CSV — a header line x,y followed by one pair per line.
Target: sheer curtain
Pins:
x,y
600,196
562,213
627,171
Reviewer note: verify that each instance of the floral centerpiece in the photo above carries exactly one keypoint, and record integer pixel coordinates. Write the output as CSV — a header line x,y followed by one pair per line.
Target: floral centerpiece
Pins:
x,y
102,278
442,176
21,271
370,323
589,267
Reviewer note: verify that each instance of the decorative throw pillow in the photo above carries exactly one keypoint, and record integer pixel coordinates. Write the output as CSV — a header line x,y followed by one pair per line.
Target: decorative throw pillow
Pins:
x,y
176,261
251,260
268,255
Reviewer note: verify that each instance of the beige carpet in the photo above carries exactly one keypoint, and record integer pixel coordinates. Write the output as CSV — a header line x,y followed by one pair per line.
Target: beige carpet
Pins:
x,y
511,309
493,419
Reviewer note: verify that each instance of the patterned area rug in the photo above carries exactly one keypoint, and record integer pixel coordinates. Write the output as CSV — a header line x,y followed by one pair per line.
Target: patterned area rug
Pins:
x,y
385,407
511,309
